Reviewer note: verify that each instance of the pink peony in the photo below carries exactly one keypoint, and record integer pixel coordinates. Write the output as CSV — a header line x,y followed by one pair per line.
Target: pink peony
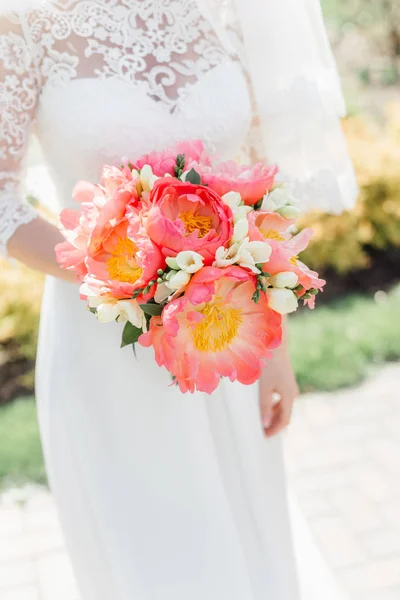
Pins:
x,y
121,181
184,216
215,330
164,162
77,227
268,226
252,182
126,261
285,258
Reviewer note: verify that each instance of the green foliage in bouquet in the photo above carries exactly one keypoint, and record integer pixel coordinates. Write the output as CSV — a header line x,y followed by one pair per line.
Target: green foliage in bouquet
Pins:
x,y
343,243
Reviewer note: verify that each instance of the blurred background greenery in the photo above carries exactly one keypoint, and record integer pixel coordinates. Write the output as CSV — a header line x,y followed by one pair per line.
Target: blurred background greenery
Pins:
x,y
356,324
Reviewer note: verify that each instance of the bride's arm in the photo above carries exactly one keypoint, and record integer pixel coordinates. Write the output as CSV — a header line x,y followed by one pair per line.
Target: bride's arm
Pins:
x,y
34,243
23,234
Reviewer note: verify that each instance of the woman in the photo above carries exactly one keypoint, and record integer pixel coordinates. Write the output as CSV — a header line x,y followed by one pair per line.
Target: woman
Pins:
x,y
162,496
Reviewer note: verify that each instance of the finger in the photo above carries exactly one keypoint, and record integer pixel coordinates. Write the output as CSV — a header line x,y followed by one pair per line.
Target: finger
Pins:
x,y
281,417
266,407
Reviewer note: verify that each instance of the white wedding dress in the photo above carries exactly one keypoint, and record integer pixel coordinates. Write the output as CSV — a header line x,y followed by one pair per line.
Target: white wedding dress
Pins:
x,y
162,496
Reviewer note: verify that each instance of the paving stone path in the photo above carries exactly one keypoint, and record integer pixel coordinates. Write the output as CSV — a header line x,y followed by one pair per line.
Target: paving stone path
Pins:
x,y
343,455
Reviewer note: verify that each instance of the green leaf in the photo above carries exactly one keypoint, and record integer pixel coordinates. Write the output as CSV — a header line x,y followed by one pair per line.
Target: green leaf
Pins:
x,y
153,310
130,335
93,310
258,204
193,177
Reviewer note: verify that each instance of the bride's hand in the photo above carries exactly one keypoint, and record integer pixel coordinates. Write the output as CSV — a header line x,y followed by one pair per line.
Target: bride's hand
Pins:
x,y
278,390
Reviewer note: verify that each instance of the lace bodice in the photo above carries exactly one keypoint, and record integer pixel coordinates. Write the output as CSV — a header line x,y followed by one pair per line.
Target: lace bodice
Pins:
x,y
101,79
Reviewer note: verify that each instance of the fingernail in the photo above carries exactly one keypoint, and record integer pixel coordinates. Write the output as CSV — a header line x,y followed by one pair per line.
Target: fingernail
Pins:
x,y
266,422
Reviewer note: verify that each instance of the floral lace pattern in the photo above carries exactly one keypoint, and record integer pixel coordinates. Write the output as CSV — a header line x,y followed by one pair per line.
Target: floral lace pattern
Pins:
x,y
163,48
18,98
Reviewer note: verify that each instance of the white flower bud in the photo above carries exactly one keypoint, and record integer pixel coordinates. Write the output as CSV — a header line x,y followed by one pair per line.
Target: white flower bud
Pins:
x,y
260,251
172,263
285,279
232,199
240,231
189,261
178,280
108,312
282,301
162,293
281,196
289,212
241,213
131,311
146,176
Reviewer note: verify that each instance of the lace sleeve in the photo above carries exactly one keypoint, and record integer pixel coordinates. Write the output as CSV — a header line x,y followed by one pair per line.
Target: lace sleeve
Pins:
x,y
19,85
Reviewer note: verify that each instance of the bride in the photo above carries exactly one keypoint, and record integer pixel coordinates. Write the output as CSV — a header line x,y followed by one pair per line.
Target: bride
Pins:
x,y
164,496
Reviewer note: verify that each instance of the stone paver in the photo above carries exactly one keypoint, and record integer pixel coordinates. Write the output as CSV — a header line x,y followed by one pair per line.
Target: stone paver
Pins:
x,y
343,456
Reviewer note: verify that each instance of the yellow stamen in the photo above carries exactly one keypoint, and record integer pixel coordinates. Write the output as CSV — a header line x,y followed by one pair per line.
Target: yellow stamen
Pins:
x,y
122,265
293,261
195,222
272,234
218,328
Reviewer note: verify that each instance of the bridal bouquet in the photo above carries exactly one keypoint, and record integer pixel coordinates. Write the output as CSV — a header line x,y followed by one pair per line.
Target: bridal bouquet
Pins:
x,y
198,257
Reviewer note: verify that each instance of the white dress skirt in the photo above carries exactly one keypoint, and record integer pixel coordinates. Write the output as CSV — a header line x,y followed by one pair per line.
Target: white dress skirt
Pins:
x,y
162,496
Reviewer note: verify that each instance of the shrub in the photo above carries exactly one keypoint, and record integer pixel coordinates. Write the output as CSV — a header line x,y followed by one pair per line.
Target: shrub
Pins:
x,y
344,242
20,298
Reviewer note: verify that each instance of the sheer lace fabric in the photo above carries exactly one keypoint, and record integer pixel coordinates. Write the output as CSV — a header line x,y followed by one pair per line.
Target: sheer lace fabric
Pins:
x,y
161,49
18,101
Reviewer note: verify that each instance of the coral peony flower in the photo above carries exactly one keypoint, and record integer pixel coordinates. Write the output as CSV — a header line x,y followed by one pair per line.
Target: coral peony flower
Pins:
x,y
77,226
215,330
268,226
101,209
122,181
285,258
126,261
184,216
164,162
251,182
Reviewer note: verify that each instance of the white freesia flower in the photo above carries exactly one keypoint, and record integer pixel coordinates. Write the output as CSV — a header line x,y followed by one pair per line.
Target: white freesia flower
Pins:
x,y
283,301
244,253
189,261
240,231
178,280
107,312
131,311
241,213
109,309
162,292
171,262
233,200
284,279
278,198
147,178
252,253
224,257
289,212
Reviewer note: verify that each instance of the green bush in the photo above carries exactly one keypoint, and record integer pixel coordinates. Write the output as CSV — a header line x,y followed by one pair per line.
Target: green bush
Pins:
x,y
336,345
20,297
21,458
343,243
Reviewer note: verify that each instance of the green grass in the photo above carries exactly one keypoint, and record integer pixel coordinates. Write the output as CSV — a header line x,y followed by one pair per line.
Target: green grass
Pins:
x,y
21,458
332,347
337,345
